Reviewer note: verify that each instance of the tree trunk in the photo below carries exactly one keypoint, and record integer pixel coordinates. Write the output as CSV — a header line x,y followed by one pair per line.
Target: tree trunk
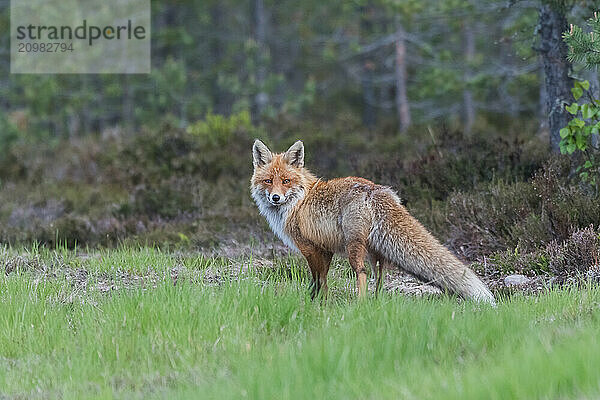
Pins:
x,y
553,50
469,54
402,106
127,105
86,122
262,98
216,52
543,111
369,114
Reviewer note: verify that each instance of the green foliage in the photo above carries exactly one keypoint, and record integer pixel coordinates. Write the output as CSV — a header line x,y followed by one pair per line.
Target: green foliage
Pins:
x,y
167,165
582,132
8,135
209,148
584,47
297,103
217,130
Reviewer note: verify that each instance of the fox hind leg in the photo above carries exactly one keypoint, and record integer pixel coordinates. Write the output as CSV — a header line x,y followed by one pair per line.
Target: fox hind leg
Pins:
x,y
382,264
378,264
356,255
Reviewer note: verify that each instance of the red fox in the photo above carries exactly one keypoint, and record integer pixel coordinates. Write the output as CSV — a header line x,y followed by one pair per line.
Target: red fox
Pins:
x,y
351,216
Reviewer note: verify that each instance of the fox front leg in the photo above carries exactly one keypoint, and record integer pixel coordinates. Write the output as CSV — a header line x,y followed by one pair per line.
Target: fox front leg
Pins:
x,y
318,262
314,284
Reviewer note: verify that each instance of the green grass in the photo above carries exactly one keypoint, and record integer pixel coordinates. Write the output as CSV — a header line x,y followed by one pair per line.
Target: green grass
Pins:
x,y
149,324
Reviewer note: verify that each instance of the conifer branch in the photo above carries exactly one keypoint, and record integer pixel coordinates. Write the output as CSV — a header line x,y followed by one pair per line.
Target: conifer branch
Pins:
x,y
584,47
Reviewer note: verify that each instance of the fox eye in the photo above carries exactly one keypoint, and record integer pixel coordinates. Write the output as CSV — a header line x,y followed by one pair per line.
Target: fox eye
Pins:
x,y
268,181
285,181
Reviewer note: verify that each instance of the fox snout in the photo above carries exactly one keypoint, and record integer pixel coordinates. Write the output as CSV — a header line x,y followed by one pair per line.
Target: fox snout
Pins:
x,y
275,198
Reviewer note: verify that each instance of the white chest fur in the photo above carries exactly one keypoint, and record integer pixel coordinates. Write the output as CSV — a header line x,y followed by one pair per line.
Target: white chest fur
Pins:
x,y
276,217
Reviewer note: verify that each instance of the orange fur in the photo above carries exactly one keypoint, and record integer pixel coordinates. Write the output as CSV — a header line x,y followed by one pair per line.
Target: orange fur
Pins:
x,y
352,216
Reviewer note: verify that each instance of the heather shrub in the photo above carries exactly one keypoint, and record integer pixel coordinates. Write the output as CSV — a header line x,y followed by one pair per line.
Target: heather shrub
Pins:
x,y
516,261
498,215
484,221
480,194
567,204
207,150
167,198
578,253
455,162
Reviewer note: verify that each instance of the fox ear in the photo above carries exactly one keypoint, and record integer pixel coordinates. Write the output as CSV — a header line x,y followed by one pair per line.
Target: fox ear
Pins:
x,y
261,154
295,154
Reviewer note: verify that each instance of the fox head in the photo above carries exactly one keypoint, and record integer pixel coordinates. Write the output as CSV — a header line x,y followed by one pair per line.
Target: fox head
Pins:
x,y
279,179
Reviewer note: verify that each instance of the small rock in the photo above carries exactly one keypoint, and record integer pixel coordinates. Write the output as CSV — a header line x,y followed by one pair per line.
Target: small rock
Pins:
x,y
516,280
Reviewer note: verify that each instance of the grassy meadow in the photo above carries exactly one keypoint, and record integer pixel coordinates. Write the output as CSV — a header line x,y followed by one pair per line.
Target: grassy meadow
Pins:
x,y
134,263
145,323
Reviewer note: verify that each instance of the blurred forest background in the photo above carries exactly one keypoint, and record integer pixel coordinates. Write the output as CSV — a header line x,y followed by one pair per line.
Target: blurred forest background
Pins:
x,y
445,101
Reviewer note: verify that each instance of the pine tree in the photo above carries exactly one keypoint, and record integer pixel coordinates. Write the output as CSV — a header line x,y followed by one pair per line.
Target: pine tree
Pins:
x,y
584,47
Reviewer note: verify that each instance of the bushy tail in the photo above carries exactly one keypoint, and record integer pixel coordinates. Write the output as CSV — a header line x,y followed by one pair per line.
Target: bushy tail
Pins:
x,y
404,242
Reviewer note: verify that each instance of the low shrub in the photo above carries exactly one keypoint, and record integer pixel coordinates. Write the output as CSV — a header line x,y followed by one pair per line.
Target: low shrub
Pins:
x,y
480,194
577,255
167,198
455,162
207,150
525,215
516,261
